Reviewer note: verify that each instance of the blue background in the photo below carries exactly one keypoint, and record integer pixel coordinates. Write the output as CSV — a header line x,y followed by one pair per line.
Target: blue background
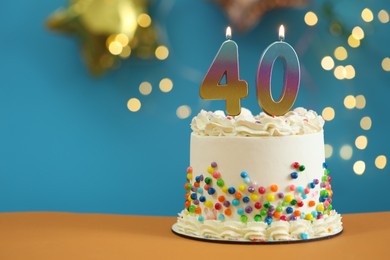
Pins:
x,y
69,143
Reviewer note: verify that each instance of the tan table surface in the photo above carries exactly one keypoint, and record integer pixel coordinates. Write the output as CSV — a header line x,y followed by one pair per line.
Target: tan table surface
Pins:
x,y
98,236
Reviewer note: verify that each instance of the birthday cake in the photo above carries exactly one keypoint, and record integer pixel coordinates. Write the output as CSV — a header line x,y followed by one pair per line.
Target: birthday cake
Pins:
x,y
258,178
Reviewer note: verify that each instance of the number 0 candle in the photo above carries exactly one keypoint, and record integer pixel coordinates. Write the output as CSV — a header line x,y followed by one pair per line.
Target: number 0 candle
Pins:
x,y
279,49
225,64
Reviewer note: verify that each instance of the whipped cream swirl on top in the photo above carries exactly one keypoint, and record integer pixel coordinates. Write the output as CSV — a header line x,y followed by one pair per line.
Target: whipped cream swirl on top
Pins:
x,y
296,122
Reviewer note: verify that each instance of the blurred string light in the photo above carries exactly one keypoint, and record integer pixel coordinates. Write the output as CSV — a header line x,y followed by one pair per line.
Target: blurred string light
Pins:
x,y
380,162
386,64
145,88
134,104
360,102
144,20
340,53
346,152
183,112
365,123
166,85
361,142
359,167
328,151
350,102
367,15
327,63
348,72
353,42
311,18
383,16
340,72
358,33
161,52
328,113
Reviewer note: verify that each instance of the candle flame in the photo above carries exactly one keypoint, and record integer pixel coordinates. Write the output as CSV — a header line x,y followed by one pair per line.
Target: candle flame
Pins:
x,y
281,32
228,33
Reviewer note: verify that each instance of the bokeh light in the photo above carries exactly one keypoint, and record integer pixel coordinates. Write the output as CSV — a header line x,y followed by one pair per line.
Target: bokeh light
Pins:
x,y
340,53
166,85
346,152
145,88
360,102
328,151
365,123
380,162
353,42
383,16
349,72
144,20
122,39
161,52
340,72
359,167
126,51
134,104
311,18
361,142
327,63
115,48
183,112
358,33
386,64
328,113
367,15
349,102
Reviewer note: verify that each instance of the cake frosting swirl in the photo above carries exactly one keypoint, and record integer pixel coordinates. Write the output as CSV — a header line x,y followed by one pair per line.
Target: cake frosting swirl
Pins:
x,y
297,122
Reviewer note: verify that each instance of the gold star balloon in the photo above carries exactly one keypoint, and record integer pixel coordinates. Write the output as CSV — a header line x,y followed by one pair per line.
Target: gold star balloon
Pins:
x,y
108,31
245,14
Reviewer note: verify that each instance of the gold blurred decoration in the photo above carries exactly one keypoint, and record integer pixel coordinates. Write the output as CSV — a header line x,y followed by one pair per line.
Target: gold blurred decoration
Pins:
x,y
349,72
358,33
383,16
161,52
134,104
183,112
349,102
359,167
144,20
245,14
166,85
361,142
360,102
366,123
145,88
328,114
328,151
367,15
340,72
108,30
346,152
380,162
311,18
340,53
353,42
327,63
386,64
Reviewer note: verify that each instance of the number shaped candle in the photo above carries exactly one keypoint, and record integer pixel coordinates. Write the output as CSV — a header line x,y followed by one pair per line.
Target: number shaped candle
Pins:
x,y
291,77
225,64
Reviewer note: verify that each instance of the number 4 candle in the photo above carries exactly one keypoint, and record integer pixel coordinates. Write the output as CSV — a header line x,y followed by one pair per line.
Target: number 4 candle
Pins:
x,y
291,77
225,64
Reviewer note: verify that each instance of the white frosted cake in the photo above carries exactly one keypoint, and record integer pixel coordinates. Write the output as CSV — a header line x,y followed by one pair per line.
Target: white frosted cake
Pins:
x,y
258,178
